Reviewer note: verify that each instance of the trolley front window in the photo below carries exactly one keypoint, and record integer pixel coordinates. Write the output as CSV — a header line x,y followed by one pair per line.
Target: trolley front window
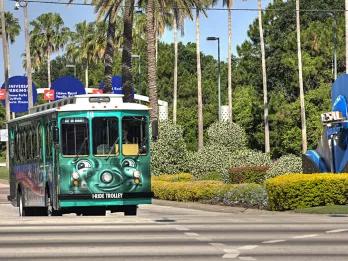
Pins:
x,y
75,136
105,136
134,136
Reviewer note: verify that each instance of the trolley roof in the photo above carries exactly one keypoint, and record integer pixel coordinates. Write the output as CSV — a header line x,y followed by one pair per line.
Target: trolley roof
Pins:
x,y
85,102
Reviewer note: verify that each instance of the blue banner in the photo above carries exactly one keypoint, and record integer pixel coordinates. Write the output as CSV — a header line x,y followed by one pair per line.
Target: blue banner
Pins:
x,y
18,90
67,86
116,85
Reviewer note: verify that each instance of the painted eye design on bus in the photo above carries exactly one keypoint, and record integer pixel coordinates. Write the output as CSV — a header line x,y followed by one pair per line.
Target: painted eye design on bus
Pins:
x,y
83,165
128,163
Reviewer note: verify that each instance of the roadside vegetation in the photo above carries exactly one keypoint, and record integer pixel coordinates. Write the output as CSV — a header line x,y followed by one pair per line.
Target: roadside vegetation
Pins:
x,y
3,173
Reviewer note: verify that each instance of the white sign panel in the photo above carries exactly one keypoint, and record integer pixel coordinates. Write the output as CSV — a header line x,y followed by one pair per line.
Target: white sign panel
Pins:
x,y
4,135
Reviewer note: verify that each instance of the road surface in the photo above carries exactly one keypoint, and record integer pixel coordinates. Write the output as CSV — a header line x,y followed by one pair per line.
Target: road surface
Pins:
x,y
173,233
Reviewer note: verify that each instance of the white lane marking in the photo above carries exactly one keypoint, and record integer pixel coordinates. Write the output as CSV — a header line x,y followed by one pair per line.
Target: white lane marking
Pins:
x,y
273,241
218,245
337,231
190,234
248,258
231,253
181,228
247,247
204,239
305,236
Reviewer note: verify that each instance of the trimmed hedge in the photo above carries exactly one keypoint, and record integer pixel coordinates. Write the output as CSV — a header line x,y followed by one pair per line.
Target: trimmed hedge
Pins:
x,y
307,190
189,190
248,174
286,164
173,177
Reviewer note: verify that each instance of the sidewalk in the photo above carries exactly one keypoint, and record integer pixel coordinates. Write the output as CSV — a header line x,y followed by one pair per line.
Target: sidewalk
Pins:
x,y
3,183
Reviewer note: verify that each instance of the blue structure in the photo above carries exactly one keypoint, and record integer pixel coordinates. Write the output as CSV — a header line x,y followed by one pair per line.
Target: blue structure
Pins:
x,y
331,154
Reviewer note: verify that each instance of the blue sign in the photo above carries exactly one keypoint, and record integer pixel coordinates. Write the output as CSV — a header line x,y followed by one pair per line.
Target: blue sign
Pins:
x,y
116,83
18,90
340,87
67,86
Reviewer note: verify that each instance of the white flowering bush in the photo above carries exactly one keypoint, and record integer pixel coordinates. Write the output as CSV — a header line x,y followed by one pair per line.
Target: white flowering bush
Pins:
x,y
228,135
285,164
169,153
243,158
209,161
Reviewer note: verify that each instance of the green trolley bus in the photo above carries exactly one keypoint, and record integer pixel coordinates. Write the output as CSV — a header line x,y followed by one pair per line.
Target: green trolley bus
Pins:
x,y
85,154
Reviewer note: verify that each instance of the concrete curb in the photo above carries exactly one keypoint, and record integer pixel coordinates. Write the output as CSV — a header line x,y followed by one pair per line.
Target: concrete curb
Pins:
x,y
211,208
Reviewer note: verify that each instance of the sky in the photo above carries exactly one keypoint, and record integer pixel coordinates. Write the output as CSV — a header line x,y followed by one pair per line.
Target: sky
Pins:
x,y
215,24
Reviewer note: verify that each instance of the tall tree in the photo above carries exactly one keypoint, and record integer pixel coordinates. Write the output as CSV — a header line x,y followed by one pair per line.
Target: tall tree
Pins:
x,y
81,48
264,80
12,31
299,55
108,11
49,35
199,84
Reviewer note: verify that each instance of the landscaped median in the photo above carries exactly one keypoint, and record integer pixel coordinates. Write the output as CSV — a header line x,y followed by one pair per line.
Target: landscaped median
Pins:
x,y
295,191
183,187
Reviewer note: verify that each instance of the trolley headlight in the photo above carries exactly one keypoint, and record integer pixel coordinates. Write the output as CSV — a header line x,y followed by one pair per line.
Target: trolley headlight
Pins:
x,y
136,174
75,175
106,177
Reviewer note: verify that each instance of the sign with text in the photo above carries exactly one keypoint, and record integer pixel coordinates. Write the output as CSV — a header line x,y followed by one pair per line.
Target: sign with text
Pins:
x,y
67,86
18,93
48,95
116,85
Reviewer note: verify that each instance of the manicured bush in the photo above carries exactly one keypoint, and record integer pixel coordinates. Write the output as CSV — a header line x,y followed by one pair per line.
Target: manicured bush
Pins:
x,y
169,153
246,195
243,158
188,191
285,164
248,174
174,177
307,190
210,159
228,135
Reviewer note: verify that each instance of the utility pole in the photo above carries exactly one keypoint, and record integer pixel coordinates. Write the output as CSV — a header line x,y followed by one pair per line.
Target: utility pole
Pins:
x,y
6,64
28,56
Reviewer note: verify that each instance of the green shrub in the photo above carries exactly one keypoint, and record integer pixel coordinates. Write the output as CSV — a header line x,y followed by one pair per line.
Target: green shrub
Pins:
x,y
210,159
228,135
246,195
174,177
248,174
285,164
188,191
307,190
245,158
169,153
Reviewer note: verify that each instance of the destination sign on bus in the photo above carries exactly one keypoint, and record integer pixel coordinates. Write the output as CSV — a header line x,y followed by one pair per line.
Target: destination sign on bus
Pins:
x,y
74,120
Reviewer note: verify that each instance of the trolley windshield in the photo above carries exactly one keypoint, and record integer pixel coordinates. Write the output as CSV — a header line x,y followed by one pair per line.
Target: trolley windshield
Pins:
x,y
75,136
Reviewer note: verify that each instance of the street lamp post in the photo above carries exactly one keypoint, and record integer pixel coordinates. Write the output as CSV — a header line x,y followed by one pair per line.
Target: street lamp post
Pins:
x,y
211,38
24,5
137,56
72,66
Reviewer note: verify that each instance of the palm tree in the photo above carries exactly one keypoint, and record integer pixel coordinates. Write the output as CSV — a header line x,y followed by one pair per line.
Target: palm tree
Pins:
x,y
264,79
48,36
81,47
229,4
107,11
299,54
12,31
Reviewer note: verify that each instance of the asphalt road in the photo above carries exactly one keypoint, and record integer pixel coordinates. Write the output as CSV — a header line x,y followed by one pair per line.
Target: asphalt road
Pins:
x,y
173,233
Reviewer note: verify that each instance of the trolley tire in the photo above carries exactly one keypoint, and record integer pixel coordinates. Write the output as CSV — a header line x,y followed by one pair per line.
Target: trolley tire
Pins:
x,y
130,210
50,211
24,211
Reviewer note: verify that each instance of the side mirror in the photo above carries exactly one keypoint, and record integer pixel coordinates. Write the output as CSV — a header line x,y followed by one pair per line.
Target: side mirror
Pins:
x,y
154,125
55,134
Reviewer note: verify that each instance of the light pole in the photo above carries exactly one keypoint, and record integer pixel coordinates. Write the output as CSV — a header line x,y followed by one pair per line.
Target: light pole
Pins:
x,y
211,38
24,5
137,56
72,66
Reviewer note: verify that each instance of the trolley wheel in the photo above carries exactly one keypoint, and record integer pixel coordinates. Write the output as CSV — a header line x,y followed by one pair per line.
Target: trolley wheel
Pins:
x,y
49,209
130,210
24,211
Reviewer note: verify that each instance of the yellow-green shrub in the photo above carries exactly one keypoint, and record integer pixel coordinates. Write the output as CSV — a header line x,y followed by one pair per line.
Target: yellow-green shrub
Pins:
x,y
306,190
174,177
189,190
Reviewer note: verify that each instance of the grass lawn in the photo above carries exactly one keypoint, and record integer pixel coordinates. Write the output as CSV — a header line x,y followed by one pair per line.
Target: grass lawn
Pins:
x,y
3,173
335,209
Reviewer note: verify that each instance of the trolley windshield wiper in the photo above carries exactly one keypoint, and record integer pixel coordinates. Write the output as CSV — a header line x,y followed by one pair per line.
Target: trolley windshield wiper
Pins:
x,y
80,150
112,147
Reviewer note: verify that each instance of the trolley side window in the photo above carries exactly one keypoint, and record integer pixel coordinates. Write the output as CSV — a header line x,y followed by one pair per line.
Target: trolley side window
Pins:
x,y
75,136
105,136
134,135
